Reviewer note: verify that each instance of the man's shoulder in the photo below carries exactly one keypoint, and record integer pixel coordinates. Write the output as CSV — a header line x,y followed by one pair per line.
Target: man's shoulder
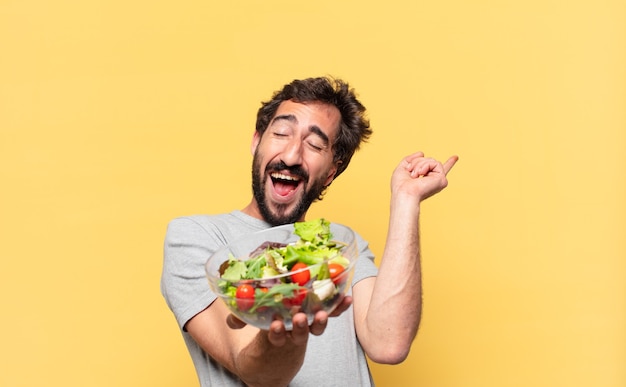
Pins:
x,y
206,222
202,219
229,224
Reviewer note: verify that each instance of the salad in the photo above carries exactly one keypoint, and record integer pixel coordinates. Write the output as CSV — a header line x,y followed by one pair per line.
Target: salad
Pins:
x,y
305,274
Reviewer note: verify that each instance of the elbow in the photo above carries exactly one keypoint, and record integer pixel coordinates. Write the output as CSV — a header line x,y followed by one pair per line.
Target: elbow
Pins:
x,y
391,347
391,354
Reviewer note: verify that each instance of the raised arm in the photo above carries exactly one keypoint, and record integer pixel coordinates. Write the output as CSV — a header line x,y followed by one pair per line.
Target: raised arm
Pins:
x,y
388,307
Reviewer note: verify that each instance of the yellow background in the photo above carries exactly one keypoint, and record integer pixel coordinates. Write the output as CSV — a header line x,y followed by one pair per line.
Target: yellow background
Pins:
x,y
116,116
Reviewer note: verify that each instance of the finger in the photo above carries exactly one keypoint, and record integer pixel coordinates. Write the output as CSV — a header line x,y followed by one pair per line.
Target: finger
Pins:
x,y
319,323
447,166
424,167
410,158
277,335
342,307
300,329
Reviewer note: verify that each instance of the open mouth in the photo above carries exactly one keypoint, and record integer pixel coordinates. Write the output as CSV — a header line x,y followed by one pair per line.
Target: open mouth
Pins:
x,y
285,184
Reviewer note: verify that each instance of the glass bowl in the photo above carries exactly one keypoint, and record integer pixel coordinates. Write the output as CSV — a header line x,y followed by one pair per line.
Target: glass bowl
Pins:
x,y
280,291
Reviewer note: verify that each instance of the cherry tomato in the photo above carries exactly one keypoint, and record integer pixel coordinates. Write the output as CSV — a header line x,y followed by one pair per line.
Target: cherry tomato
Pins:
x,y
335,269
300,278
245,297
298,297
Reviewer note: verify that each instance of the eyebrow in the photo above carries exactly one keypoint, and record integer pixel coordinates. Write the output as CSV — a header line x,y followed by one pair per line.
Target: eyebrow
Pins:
x,y
313,128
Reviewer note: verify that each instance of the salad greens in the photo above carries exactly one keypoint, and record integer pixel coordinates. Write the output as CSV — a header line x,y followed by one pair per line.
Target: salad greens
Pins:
x,y
274,262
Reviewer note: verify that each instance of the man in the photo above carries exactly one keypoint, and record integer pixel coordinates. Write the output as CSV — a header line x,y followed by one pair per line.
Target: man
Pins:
x,y
305,137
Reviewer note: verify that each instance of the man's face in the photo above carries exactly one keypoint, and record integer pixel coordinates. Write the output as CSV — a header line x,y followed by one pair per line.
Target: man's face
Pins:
x,y
293,160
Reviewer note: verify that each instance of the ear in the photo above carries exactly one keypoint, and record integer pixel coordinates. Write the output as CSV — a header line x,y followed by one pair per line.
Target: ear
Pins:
x,y
256,138
331,174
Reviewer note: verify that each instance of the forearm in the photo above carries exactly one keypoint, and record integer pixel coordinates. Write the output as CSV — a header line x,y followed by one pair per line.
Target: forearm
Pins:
x,y
395,309
261,364
246,351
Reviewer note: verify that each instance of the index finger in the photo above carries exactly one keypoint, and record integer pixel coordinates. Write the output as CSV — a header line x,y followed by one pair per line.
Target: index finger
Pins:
x,y
447,166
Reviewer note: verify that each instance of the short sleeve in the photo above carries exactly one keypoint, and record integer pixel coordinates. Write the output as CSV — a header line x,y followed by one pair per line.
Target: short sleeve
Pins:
x,y
184,285
365,266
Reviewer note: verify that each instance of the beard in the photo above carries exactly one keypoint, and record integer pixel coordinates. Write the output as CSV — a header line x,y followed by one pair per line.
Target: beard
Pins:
x,y
279,215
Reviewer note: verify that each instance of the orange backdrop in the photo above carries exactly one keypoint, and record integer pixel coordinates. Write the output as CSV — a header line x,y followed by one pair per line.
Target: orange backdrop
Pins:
x,y
117,116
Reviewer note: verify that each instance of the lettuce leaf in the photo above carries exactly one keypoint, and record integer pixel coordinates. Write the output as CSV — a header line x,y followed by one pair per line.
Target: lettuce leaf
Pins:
x,y
316,231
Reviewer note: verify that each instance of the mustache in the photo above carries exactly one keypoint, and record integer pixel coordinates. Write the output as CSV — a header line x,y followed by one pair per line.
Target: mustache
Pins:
x,y
295,170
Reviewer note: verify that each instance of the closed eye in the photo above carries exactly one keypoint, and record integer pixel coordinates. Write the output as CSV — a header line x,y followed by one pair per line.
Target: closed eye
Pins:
x,y
316,146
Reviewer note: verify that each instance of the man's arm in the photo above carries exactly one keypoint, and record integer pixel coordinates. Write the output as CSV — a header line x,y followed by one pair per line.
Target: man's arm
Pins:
x,y
257,356
388,308
248,352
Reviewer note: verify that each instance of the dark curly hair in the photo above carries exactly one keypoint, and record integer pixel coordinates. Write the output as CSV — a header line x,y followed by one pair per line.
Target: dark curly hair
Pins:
x,y
354,128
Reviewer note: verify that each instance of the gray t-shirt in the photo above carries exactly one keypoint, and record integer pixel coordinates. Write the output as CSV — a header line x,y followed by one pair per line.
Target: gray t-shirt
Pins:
x,y
333,359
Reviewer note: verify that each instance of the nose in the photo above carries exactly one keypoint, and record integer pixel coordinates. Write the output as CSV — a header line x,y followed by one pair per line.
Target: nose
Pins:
x,y
292,154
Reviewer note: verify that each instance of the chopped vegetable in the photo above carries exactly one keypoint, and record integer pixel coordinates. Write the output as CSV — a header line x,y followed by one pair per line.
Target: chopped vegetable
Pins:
x,y
300,277
314,250
335,269
245,296
323,289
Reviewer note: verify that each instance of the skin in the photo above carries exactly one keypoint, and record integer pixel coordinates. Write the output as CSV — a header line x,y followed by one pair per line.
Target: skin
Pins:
x,y
387,308
297,145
